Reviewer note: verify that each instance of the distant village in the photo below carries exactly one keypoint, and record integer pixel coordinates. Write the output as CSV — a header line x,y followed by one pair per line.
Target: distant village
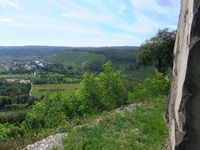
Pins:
x,y
20,64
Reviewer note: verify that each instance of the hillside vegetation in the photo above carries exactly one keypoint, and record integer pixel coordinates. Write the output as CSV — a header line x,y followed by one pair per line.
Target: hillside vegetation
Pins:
x,y
76,58
96,94
85,92
142,128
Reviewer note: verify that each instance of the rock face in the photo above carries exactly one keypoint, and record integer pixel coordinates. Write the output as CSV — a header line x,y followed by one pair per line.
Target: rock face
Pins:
x,y
183,107
53,141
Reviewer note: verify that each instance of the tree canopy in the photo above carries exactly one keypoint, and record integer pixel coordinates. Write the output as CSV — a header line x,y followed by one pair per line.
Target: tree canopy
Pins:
x,y
158,50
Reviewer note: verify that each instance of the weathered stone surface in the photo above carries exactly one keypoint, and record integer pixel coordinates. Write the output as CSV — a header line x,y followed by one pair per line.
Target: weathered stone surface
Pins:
x,y
48,143
183,107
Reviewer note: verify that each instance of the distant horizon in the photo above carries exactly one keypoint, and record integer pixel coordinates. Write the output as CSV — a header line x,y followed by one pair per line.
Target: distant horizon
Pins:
x,y
67,46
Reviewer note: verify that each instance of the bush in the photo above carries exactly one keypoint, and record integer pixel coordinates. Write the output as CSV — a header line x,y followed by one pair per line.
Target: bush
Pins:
x,y
8,131
88,93
150,89
74,106
112,88
48,113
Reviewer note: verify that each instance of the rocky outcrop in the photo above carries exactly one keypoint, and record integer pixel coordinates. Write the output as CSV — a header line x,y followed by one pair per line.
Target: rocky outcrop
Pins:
x,y
53,141
183,107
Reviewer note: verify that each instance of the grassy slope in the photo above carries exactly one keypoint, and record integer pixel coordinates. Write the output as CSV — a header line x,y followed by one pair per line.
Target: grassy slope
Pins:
x,y
76,58
68,87
143,128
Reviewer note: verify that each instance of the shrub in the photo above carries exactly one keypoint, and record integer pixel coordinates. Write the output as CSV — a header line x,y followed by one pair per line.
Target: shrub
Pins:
x,y
112,88
48,113
73,106
14,116
150,89
9,131
88,93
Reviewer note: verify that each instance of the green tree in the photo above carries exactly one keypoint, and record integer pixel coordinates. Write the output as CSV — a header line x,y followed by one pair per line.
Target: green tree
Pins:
x,y
47,113
111,87
89,92
158,51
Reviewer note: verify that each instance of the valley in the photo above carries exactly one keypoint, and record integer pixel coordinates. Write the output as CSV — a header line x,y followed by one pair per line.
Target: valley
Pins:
x,y
54,90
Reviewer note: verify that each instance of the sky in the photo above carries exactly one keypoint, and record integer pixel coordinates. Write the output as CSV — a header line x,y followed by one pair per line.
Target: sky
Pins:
x,y
84,22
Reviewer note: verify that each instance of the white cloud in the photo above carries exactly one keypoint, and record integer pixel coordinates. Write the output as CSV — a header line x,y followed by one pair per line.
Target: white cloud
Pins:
x,y
11,22
12,3
139,3
102,15
5,19
105,22
147,23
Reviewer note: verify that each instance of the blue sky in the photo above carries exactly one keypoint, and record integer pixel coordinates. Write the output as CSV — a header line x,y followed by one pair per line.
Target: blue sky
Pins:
x,y
84,22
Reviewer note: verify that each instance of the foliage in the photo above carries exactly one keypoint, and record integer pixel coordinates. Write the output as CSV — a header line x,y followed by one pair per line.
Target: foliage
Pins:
x,y
14,116
95,66
14,101
75,58
158,51
141,129
103,92
142,73
111,87
9,131
13,89
47,113
150,89
116,54
89,92
96,93
91,59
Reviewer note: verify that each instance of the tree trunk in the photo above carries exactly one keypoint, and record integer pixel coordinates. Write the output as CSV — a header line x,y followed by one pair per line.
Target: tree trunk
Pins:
x,y
183,106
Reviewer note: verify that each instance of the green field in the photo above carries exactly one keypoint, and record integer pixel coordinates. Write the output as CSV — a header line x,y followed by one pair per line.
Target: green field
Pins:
x,y
18,76
76,58
41,89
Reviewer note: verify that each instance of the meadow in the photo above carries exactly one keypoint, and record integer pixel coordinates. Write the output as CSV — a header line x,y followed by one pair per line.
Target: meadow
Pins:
x,y
17,76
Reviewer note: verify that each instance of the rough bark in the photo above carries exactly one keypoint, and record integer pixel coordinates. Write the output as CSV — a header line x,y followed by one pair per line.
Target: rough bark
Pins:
x,y
183,107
